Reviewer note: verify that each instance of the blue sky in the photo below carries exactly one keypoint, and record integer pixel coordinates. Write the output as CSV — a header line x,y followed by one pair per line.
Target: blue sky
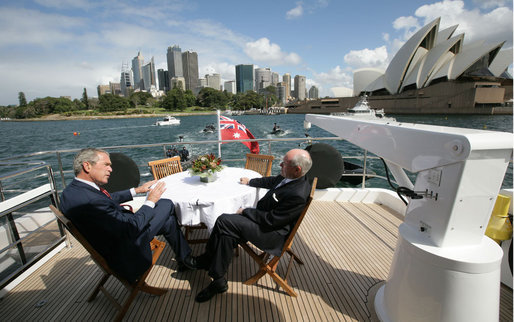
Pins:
x,y
58,47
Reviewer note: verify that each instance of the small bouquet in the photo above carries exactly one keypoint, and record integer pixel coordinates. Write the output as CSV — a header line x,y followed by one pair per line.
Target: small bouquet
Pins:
x,y
205,166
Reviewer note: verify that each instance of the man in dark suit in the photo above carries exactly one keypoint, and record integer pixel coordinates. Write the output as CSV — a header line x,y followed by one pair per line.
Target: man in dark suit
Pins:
x,y
266,226
119,235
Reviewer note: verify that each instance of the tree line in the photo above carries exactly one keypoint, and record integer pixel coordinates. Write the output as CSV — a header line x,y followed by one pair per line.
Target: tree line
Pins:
x,y
175,100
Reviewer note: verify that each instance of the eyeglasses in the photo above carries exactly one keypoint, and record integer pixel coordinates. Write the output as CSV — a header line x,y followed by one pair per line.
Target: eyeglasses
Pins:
x,y
288,164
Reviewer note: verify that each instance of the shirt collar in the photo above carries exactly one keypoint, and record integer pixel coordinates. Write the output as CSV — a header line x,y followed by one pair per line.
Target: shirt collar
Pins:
x,y
92,184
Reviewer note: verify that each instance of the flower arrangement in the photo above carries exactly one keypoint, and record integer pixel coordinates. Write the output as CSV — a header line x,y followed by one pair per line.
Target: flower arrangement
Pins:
x,y
205,165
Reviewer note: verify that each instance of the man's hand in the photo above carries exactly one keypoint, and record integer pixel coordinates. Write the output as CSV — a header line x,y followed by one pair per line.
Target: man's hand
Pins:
x,y
239,211
145,187
244,180
155,194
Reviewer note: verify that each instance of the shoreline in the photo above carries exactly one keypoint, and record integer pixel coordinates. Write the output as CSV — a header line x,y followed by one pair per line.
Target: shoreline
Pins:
x,y
59,117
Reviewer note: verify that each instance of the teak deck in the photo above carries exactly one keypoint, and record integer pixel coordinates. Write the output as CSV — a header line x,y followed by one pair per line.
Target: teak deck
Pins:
x,y
347,249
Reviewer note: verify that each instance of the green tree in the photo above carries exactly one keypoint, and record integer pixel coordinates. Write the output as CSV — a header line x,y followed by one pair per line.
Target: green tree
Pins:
x,y
190,98
270,96
248,100
110,102
85,99
175,99
22,99
140,98
209,97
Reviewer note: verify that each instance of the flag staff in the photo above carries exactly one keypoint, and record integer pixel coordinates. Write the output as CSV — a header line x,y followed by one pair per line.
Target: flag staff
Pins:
x,y
219,134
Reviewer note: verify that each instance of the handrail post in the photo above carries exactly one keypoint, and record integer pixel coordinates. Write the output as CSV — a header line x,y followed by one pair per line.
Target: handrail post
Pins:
x,y
59,162
364,169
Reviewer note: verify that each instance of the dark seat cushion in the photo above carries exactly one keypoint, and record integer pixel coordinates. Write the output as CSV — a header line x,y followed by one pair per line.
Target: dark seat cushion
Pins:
x,y
327,165
125,173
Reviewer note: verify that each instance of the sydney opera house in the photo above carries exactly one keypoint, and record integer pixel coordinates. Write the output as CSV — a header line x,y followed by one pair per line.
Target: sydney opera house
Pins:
x,y
433,72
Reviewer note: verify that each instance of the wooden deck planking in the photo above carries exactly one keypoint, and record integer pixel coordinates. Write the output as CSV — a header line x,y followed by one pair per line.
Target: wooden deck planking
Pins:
x,y
347,250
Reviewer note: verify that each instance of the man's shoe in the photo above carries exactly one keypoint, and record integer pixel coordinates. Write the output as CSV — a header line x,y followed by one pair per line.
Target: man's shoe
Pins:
x,y
216,287
189,263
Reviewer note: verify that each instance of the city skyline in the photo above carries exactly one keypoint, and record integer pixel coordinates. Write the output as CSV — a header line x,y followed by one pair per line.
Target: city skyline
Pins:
x,y
324,40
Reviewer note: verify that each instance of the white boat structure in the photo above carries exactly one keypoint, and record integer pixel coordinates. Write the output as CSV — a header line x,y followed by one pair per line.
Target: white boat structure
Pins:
x,y
415,254
168,120
362,110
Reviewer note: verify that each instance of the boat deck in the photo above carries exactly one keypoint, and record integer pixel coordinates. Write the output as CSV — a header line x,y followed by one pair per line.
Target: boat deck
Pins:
x,y
347,249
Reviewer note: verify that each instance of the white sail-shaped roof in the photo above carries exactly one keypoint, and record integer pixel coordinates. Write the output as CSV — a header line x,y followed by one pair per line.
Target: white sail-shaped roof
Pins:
x,y
501,62
363,77
397,69
445,34
467,57
379,83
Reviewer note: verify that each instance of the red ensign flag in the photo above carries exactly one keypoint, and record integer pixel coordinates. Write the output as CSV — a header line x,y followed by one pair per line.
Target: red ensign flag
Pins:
x,y
232,130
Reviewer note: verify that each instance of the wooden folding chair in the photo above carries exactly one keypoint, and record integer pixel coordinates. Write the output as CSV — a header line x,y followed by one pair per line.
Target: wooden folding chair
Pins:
x,y
157,247
260,163
165,167
270,267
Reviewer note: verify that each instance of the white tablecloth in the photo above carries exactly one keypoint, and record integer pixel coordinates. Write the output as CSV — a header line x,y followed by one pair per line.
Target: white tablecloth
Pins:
x,y
197,202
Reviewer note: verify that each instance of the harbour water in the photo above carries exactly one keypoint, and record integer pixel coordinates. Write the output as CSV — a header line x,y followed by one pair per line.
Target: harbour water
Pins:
x,y
28,137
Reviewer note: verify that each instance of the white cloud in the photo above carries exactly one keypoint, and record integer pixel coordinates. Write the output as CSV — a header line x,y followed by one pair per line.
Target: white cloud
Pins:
x,y
264,51
367,58
336,77
296,12
490,3
60,4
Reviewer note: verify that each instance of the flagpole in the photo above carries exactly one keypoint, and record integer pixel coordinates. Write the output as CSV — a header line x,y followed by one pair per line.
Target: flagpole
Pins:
x,y
219,134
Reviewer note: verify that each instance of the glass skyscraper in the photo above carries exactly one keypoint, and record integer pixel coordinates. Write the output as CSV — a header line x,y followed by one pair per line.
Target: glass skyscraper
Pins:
x,y
190,69
244,78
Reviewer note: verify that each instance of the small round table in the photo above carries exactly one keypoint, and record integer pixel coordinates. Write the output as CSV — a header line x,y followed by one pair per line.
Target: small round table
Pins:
x,y
198,202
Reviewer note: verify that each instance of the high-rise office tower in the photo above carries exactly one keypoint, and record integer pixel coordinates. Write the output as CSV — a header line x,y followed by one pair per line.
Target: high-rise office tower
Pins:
x,y
281,93
275,78
137,70
244,78
149,75
190,69
313,92
174,58
213,81
164,80
299,87
125,80
262,78
286,82
230,86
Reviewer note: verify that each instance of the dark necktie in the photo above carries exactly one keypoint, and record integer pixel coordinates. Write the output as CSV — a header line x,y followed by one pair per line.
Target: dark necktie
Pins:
x,y
105,192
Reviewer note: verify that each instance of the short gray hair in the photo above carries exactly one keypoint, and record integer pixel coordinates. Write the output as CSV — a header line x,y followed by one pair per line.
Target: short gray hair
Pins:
x,y
86,155
302,160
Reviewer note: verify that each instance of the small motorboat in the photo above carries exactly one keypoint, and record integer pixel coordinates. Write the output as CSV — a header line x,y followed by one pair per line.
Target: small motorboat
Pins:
x,y
209,128
362,110
168,120
278,131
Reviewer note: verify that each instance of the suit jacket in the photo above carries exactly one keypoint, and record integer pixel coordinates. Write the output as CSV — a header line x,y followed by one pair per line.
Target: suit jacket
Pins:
x,y
119,235
279,209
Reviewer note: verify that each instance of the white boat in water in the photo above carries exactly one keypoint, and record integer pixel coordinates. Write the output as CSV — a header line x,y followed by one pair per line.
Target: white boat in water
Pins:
x,y
168,120
415,253
362,110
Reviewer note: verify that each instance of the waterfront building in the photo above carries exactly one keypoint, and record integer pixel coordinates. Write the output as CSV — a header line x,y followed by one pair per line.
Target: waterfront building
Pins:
x,y
164,80
230,86
190,69
202,82
299,87
149,75
313,92
125,80
275,78
286,82
433,73
244,78
281,93
178,82
115,88
174,59
213,81
262,78
137,70
103,89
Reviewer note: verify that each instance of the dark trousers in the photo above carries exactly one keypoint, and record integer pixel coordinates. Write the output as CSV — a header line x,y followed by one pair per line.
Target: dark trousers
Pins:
x,y
227,232
165,223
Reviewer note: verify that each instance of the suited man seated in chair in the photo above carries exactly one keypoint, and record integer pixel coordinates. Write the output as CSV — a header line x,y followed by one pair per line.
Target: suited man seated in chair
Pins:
x,y
266,226
119,235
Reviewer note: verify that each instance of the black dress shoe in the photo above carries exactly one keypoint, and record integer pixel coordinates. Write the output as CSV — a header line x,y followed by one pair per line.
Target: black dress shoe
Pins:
x,y
189,263
216,287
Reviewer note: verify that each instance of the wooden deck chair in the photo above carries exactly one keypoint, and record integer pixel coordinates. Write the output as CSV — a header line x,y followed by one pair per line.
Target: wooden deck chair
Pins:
x,y
165,167
270,267
157,247
260,163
